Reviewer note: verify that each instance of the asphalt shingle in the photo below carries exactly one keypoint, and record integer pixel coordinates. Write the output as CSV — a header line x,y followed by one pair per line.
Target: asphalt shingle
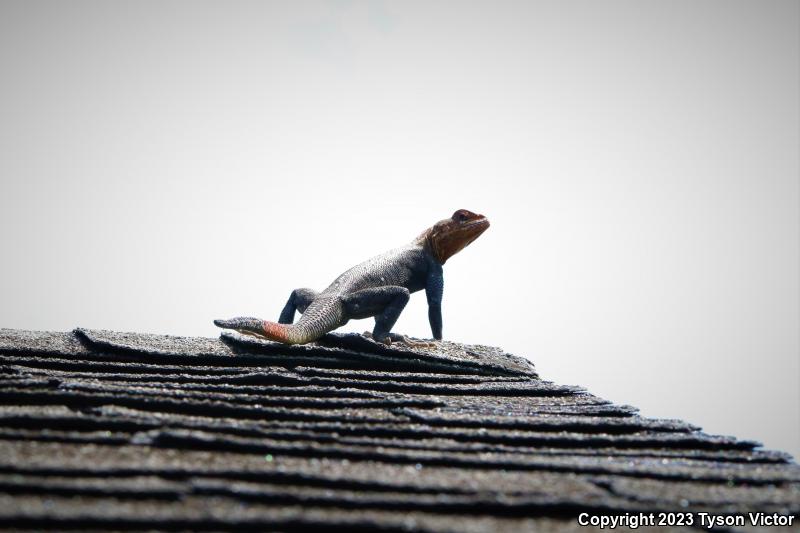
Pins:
x,y
102,429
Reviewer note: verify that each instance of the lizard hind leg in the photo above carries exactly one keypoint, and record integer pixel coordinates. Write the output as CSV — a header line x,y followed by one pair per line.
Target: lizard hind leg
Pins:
x,y
299,300
384,303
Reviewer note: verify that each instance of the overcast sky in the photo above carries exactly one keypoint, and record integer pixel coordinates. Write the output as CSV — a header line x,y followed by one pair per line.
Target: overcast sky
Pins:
x,y
167,163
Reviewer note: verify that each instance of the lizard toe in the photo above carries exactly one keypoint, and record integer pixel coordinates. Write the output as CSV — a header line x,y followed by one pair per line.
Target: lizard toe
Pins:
x,y
387,340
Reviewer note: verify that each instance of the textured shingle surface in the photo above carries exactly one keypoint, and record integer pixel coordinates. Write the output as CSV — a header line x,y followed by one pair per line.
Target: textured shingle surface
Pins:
x,y
101,429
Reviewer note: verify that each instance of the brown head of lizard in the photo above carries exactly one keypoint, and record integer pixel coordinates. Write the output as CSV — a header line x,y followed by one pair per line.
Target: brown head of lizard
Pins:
x,y
451,235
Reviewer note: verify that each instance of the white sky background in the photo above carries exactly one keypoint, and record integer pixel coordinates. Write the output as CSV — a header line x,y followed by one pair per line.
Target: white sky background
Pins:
x,y
167,163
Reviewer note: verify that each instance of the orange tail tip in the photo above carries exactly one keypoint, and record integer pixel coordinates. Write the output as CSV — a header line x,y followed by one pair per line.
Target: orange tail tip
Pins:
x,y
278,332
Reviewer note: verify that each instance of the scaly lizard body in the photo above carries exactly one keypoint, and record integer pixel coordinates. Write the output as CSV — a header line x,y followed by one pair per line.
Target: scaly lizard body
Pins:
x,y
379,287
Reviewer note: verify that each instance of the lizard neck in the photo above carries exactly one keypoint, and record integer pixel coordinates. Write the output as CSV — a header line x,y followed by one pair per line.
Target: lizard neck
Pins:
x,y
428,242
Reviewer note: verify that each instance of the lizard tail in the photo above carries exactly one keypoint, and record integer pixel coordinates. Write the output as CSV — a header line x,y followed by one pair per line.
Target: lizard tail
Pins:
x,y
285,333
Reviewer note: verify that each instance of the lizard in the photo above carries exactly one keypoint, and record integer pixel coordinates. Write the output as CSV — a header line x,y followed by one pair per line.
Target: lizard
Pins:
x,y
379,287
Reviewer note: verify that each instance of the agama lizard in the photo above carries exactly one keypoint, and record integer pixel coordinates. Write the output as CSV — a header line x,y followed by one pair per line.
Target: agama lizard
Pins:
x,y
379,287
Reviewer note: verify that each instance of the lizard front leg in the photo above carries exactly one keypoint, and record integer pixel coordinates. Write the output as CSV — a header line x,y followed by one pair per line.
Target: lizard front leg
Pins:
x,y
434,289
384,303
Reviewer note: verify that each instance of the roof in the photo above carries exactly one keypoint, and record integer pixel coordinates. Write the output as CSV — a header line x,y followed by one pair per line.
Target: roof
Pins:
x,y
135,431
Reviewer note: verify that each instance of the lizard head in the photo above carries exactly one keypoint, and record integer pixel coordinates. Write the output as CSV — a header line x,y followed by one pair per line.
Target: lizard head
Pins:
x,y
451,235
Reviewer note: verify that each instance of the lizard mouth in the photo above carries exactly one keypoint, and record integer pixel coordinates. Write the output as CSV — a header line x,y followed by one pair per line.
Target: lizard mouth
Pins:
x,y
482,222
473,229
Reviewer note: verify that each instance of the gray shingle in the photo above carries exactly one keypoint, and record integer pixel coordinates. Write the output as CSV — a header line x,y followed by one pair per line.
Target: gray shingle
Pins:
x,y
102,429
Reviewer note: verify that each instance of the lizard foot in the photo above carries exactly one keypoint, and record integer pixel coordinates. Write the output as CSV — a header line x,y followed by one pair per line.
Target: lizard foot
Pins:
x,y
387,339
420,344
391,338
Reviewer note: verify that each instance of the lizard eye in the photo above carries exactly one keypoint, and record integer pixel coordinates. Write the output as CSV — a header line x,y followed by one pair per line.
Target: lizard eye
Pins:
x,y
460,216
